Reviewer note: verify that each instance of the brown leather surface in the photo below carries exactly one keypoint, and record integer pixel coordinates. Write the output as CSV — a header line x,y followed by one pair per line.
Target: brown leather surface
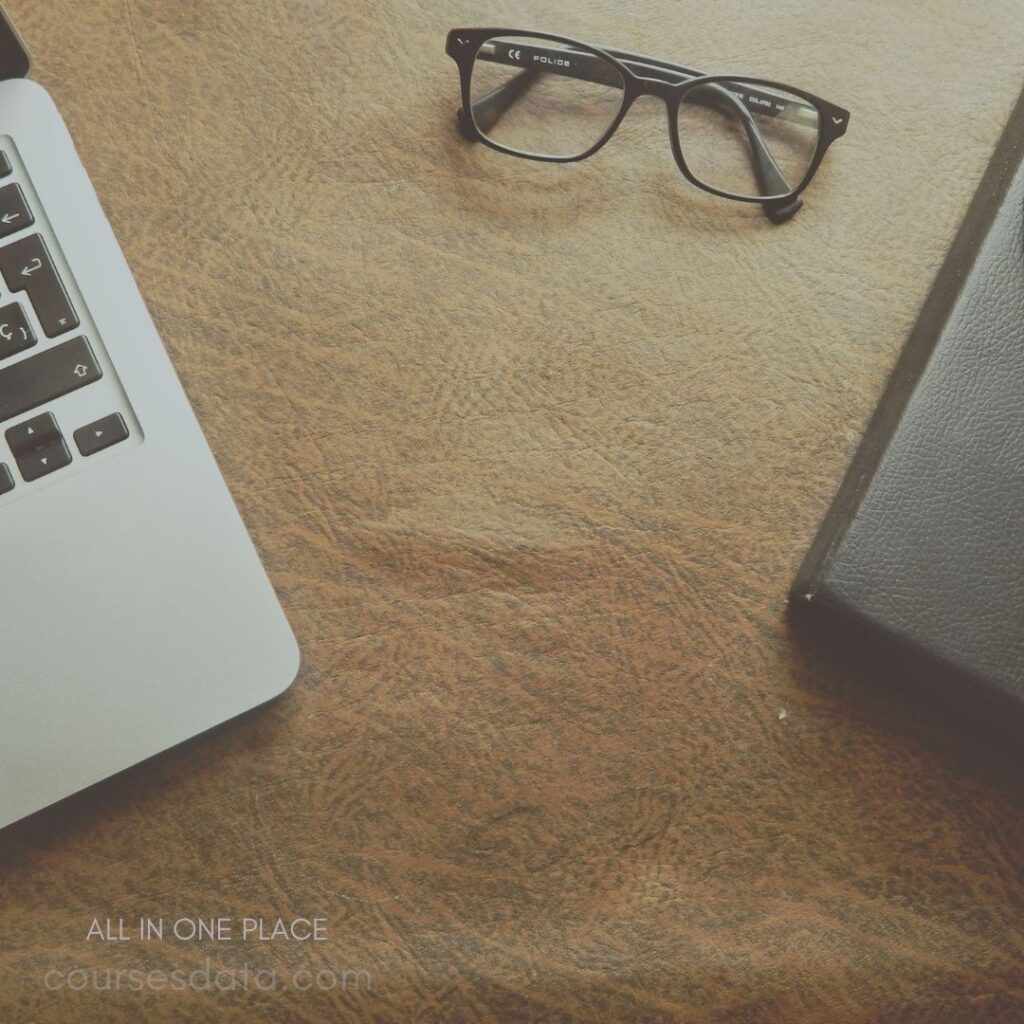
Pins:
x,y
531,454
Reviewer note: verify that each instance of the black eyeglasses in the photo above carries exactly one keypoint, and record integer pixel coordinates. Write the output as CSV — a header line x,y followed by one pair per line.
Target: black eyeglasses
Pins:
x,y
545,97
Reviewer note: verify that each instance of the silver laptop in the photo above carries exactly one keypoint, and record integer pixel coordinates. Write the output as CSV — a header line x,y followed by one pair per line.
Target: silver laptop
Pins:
x,y
135,610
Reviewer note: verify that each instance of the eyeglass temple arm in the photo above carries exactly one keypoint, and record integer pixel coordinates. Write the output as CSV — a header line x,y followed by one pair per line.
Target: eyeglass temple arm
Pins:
x,y
488,110
770,179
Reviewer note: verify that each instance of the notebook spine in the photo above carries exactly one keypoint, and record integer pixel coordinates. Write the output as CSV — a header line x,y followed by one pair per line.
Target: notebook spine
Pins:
x,y
806,591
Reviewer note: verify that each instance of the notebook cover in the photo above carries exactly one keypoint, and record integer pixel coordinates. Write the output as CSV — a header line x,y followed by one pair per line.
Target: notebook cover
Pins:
x,y
922,552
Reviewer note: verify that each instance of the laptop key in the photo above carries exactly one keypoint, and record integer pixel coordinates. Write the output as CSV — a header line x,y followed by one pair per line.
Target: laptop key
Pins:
x,y
6,480
5,164
40,379
44,461
26,267
34,433
14,211
16,333
102,434
38,447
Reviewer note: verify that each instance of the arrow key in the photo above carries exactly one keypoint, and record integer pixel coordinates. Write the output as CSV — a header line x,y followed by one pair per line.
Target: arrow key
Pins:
x,y
38,446
37,432
43,461
102,434
14,211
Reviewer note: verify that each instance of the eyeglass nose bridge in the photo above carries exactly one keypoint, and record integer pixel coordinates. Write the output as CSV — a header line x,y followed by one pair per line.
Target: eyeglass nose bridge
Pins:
x,y
642,85
637,86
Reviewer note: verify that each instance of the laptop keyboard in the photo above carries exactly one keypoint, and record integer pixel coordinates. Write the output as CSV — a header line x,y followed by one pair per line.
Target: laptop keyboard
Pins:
x,y
61,403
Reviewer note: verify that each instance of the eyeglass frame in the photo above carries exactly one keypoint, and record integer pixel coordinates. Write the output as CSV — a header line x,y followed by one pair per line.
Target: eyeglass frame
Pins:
x,y
463,46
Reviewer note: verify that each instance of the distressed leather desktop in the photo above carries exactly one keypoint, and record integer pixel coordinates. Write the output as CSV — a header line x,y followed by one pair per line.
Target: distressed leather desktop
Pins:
x,y
532,455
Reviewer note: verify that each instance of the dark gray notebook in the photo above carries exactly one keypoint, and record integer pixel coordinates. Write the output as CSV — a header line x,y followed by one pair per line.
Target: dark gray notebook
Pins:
x,y
922,552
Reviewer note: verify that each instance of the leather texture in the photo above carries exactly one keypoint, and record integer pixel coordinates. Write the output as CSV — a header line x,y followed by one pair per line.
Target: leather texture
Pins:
x,y
929,553
531,454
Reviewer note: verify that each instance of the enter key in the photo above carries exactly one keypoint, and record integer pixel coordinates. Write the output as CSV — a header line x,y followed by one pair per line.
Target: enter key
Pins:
x,y
27,267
